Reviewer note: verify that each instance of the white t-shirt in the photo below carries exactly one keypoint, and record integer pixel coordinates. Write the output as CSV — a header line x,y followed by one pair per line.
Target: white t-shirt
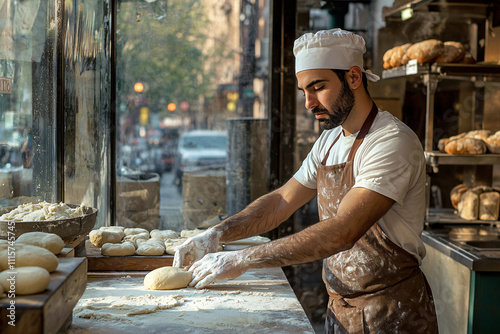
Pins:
x,y
391,162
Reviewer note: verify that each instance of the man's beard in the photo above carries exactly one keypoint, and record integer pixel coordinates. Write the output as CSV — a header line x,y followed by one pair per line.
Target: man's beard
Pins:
x,y
340,110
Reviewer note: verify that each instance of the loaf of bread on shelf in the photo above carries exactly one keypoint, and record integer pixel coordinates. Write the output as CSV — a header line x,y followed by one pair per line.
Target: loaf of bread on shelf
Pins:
x,y
453,52
479,134
468,59
387,57
489,203
397,55
426,51
465,146
468,207
457,193
493,143
443,141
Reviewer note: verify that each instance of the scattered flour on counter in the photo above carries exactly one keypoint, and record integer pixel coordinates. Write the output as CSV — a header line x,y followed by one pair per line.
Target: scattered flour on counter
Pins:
x,y
117,307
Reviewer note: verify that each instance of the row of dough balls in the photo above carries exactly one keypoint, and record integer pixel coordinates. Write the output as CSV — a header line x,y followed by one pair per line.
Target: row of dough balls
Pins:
x,y
121,241
35,258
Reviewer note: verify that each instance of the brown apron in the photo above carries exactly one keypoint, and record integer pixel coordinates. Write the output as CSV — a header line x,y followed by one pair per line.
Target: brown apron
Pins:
x,y
376,286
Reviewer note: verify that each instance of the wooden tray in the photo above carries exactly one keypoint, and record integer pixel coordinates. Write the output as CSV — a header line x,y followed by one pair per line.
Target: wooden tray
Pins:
x,y
99,262
50,311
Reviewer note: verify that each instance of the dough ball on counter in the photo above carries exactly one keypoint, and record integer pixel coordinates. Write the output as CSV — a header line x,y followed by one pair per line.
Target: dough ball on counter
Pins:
x,y
135,230
150,247
28,280
101,237
134,237
50,241
163,234
167,278
124,249
172,243
29,256
116,229
190,233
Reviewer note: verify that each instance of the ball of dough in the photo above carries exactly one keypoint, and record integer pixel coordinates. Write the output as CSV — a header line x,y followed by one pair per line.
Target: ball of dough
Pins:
x,y
50,241
124,249
29,256
167,278
135,230
191,233
134,237
101,237
27,280
116,229
163,234
170,245
150,248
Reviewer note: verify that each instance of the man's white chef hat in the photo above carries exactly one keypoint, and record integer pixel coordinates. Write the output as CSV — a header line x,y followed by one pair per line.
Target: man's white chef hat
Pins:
x,y
330,49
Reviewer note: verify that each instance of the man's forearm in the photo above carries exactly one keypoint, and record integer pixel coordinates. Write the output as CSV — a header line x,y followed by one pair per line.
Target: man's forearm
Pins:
x,y
313,243
262,215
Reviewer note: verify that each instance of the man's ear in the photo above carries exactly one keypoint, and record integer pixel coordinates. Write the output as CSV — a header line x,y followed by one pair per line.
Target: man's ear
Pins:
x,y
354,77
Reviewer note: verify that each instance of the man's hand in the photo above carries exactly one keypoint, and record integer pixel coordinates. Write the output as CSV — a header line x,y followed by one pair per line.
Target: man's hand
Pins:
x,y
196,247
216,267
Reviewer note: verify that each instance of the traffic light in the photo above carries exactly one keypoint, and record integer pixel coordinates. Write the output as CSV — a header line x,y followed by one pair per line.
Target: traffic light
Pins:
x,y
232,100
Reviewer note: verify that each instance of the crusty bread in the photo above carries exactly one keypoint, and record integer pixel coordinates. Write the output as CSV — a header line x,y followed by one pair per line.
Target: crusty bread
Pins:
x,y
479,134
453,52
468,59
468,207
457,193
397,55
465,146
489,203
493,143
425,51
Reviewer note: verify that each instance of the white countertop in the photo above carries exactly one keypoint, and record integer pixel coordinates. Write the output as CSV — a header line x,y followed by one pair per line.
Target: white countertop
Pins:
x,y
260,301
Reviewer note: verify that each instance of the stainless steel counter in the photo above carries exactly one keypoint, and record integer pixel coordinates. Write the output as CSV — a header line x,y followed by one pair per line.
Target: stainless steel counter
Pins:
x,y
475,247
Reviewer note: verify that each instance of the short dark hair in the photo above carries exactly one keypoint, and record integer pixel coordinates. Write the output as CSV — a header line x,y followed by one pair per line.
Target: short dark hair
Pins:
x,y
341,75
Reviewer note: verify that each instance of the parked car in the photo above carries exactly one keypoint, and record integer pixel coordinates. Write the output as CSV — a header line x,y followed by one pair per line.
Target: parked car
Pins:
x,y
200,150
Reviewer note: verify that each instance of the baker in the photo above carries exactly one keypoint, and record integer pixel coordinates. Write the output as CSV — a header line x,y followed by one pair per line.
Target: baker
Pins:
x,y
367,170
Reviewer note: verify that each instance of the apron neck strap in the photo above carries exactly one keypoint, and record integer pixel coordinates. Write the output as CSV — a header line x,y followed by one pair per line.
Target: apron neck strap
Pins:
x,y
359,138
362,133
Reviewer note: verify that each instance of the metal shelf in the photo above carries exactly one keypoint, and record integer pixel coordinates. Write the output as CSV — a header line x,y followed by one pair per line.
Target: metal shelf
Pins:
x,y
481,71
450,216
436,158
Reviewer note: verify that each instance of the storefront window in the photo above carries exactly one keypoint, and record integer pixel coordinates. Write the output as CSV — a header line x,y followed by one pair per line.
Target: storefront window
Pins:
x,y
27,101
183,69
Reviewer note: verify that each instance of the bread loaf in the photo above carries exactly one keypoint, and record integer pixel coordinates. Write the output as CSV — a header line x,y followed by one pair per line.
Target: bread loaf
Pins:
x,y
479,134
468,207
453,52
425,51
465,146
397,55
493,143
468,59
387,57
457,193
489,202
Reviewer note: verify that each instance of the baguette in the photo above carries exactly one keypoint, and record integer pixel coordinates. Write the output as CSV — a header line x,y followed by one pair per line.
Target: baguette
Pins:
x,y
465,146
425,51
479,134
493,143
397,55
